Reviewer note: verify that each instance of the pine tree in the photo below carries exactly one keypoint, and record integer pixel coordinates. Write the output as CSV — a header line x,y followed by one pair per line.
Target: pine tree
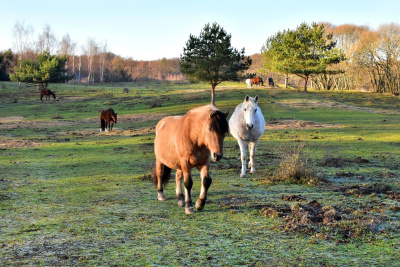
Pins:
x,y
47,69
211,58
304,51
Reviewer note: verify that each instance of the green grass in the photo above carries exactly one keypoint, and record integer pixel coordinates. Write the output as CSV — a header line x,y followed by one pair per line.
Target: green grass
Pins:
x,y
72,196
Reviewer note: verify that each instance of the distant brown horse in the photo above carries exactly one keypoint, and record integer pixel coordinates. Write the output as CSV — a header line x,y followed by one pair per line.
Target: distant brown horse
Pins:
x,y
47,93
107,119
257,81
185,142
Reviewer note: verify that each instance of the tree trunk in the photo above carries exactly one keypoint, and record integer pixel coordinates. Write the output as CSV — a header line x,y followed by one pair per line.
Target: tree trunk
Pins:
x,y
305,83
286,80
213,94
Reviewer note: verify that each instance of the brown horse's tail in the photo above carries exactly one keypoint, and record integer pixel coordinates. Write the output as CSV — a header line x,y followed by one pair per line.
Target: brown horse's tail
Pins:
x,y
165,177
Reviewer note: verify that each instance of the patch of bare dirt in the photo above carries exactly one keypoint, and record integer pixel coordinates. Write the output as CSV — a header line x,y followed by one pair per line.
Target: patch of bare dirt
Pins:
x,y
20,122
362,190
330,104
14,119
337,162
115,131
17,143
295,124
324,222
293,198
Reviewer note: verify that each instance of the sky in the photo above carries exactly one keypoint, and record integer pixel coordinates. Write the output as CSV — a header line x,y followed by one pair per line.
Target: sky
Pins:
x,y
154,29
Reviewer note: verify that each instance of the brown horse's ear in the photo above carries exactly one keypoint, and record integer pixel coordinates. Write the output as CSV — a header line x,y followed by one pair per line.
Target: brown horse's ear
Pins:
x,y
226,114
256,99
246,98
213,114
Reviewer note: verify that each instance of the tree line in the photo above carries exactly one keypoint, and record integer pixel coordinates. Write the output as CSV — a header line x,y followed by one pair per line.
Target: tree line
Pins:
x,y
344,57
370,60
91,62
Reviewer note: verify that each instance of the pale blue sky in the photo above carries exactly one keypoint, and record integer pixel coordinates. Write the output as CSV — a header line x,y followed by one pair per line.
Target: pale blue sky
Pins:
x,y
153,29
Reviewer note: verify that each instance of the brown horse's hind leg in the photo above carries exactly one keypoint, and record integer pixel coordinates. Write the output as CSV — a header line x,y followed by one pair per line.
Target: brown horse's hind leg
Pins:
x,y
205,184
179,194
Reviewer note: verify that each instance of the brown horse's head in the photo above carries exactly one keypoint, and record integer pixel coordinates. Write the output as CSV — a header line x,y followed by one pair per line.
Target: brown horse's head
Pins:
x,y
114,116
215,133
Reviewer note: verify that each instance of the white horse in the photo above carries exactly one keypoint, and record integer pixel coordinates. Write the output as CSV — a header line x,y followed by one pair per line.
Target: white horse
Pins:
x,y
247,124
248,82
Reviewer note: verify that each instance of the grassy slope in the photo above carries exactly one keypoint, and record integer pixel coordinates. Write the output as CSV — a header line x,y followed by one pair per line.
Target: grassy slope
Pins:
x,y
81,197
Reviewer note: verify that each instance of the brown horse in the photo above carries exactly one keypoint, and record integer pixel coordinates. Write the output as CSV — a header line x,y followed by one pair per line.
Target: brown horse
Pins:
x,y
107,119
257,81
185,142
47,93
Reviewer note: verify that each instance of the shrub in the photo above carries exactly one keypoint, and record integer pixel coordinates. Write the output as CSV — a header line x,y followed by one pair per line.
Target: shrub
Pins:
x,y
295,166
56,116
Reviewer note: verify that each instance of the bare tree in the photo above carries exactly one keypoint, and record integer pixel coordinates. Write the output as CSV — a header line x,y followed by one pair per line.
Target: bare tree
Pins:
x,y
90,51
47,41
22,35
68,47
389,52
80,68
103,50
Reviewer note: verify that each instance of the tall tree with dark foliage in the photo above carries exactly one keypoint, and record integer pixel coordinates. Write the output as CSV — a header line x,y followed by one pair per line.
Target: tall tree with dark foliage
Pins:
x,y
211,58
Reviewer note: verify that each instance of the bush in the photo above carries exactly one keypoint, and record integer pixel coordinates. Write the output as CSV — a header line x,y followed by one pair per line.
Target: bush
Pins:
x,y
295,166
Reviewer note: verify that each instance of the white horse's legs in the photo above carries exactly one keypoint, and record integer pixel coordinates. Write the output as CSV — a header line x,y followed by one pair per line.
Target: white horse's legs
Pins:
x,y
252,149
242,145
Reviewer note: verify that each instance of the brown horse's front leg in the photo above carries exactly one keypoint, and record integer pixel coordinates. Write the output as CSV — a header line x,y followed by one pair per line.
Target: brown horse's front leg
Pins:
x,y
159,173
179,194
188,183
205,184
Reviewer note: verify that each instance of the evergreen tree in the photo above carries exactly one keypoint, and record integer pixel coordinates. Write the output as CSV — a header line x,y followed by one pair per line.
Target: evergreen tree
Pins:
x,y
211,58
7,59
47,69
304,51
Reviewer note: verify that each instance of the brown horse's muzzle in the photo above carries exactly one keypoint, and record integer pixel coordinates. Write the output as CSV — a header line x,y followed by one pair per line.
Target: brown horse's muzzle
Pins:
x,y
216,157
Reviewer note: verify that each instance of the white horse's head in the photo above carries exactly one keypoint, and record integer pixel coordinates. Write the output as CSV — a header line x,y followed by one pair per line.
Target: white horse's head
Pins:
x,y
249,108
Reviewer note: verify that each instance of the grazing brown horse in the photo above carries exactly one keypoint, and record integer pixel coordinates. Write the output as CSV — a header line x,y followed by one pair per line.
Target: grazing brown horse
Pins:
x,y
257,81
185,142
47,93
107,119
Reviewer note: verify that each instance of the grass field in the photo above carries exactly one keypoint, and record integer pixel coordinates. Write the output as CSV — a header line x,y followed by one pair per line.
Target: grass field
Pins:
x,y
70,195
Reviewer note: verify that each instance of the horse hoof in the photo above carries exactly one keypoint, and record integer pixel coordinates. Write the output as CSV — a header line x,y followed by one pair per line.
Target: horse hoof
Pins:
x,y
181,203
252,172
200,204
161,197
189,210
243,176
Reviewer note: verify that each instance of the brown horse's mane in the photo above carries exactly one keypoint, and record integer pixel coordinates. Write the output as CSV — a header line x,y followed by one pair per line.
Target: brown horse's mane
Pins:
x,y
219,123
